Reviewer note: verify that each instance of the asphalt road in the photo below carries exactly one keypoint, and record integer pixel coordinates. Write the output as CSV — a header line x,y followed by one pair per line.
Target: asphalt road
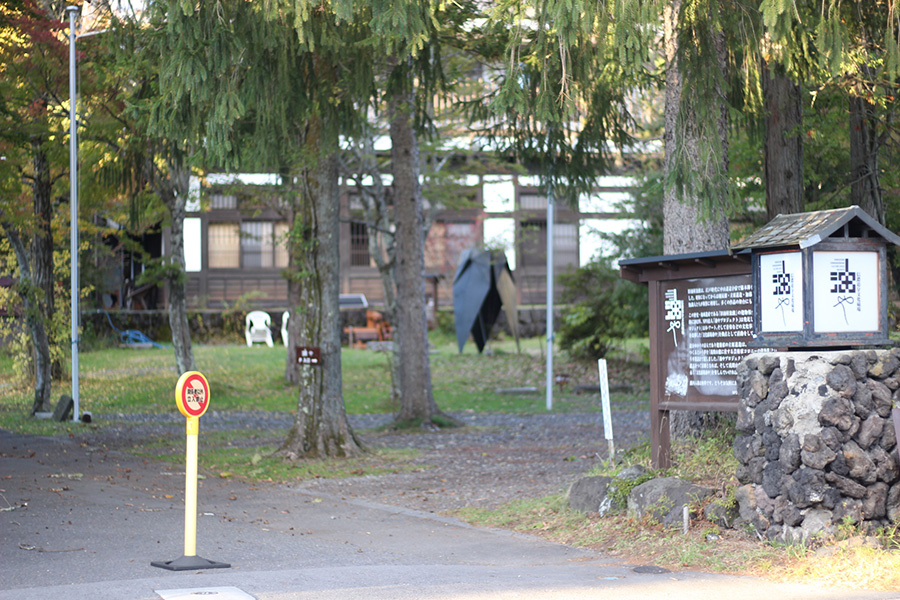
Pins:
x,y
81,522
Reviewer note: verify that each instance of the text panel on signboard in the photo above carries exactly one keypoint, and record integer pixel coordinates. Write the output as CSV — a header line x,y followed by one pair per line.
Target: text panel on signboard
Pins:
x,y
707,324
309,355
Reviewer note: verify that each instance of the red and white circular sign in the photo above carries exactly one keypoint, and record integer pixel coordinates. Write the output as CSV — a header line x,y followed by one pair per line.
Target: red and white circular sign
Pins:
x,y
192,394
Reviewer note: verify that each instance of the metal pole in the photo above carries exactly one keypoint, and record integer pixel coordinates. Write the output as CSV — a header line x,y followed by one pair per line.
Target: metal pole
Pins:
x,y
549,297
72,11
190,487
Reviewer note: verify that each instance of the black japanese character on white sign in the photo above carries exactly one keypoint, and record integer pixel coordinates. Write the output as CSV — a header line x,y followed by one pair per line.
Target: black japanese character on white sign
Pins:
x,y
783,288
846,284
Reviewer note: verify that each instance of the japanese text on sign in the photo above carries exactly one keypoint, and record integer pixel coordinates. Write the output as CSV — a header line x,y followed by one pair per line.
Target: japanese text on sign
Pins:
x,y
674,314
716,325
846,291
781,291
309,355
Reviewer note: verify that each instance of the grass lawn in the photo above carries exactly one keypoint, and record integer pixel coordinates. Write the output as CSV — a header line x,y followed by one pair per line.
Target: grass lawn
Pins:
x,y
121,380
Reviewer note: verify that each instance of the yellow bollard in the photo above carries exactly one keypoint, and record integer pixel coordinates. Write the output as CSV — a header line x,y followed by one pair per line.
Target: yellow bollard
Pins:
x,y
192,399
190,487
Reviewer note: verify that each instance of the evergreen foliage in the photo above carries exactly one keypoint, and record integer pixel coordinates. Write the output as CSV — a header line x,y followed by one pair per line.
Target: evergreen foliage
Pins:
x,y
559,106
603,307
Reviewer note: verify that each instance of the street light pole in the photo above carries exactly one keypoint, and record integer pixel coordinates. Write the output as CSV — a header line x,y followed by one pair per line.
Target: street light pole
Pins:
x,y
550,265
72,11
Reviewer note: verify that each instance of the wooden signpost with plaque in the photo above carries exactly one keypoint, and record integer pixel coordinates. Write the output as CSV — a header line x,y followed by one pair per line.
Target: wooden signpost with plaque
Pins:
x,y
309,355
700,326
802,281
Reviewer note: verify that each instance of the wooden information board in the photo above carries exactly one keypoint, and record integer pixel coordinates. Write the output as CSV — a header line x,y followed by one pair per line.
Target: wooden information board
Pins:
x,y
707,325
701,321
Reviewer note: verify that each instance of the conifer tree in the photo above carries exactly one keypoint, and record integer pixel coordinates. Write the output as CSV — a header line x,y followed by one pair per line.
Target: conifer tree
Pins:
x,y
156,156
560,103
855,48
411,49
695,59
276,91
783,145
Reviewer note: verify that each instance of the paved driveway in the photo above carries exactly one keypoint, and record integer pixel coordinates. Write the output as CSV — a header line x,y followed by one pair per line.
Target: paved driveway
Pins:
x,y
81,522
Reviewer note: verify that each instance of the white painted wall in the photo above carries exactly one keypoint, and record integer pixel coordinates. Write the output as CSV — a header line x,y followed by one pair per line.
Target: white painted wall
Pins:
x,y
591,245
501,233
499,194
193,201
193,245
606,201
245,178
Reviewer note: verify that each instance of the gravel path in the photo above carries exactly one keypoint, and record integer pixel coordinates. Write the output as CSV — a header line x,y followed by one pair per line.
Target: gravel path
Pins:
x,y
494,459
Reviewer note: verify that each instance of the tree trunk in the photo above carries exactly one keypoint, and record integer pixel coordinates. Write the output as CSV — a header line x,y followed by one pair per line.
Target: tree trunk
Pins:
x,y
684,229
36,279
320,428
381,239
42,241
42,363
294,287
291,366
177,304
34,320
865,187
42,249
411,333
783,150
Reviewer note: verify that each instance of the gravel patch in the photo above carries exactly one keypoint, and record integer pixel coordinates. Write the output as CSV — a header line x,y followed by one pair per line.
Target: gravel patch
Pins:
x,y
493,460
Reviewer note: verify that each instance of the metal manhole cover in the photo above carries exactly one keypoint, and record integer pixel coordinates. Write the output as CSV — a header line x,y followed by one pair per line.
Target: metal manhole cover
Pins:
x,y
650,570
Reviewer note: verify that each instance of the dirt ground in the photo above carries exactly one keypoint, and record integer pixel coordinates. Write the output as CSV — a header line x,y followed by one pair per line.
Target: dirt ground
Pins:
x,y
491,461
494,460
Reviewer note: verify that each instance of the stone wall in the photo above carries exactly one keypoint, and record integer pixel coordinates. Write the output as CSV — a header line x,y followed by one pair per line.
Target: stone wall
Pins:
x,y
816,442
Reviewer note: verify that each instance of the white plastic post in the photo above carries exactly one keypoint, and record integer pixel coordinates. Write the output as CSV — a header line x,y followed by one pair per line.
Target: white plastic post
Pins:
x,y
607,411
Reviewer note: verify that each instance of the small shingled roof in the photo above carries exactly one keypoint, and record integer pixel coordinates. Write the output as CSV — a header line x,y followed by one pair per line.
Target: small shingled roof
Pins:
x,y
810,228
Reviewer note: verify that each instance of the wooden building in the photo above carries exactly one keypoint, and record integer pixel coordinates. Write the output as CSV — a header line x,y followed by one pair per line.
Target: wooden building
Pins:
x,y
234,246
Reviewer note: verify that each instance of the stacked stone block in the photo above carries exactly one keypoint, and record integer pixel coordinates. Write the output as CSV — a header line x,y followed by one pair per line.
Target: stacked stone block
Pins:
x,y
816,443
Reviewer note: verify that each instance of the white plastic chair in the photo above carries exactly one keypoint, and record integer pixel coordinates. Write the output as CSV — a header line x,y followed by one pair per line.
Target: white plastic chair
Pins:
x,y
284,331
257,328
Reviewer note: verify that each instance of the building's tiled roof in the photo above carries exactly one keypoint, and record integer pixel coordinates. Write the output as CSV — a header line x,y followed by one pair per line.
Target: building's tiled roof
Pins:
x,y
810,228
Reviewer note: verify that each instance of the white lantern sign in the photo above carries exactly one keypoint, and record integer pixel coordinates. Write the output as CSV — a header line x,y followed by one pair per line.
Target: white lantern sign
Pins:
x,y
846,291
819,280
781,291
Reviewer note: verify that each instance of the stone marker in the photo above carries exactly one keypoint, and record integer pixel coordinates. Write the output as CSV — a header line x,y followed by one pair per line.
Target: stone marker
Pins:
x,y
64,408
664,499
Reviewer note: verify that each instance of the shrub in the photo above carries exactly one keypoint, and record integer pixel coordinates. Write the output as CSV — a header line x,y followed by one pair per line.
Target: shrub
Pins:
x,y
603,308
